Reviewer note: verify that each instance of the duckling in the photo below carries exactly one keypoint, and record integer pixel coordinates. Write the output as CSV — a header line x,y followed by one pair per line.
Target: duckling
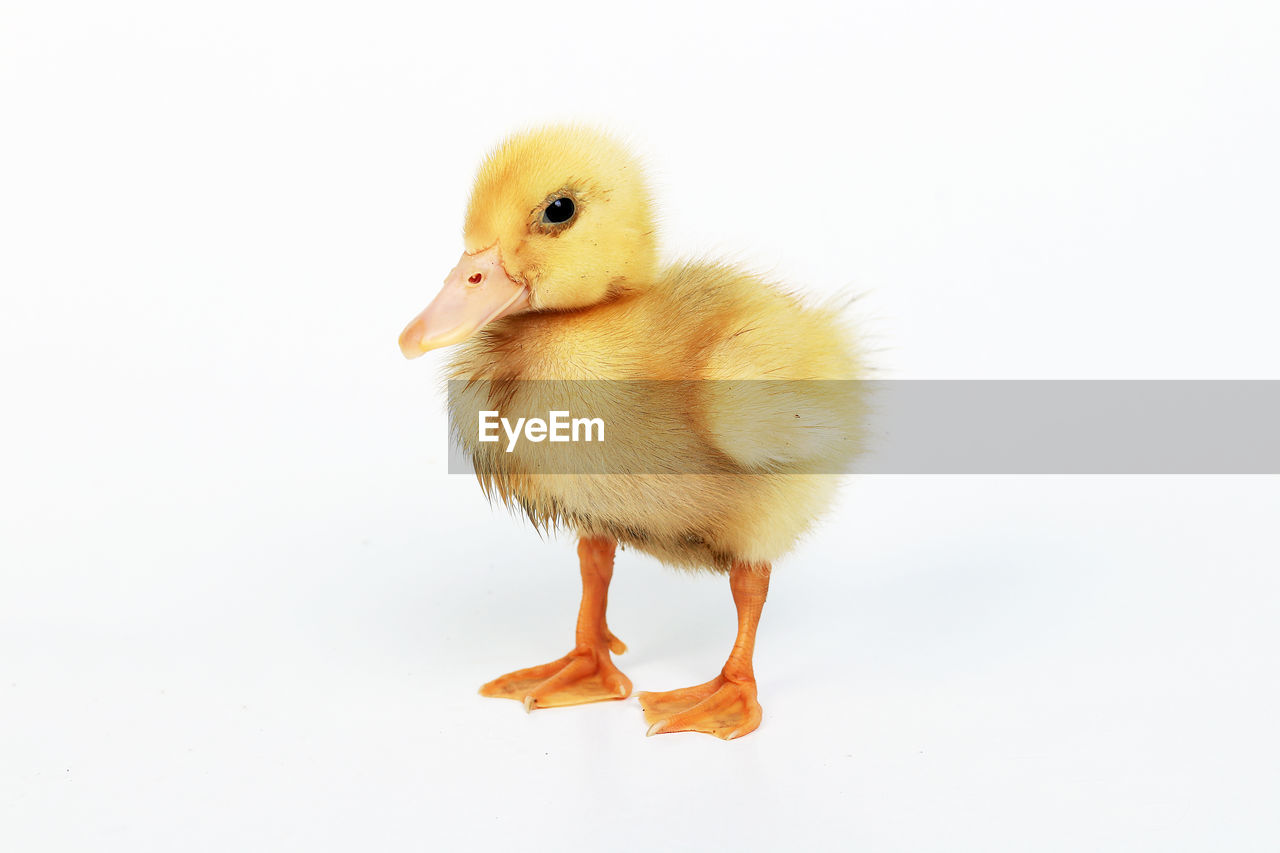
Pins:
x,y
706,468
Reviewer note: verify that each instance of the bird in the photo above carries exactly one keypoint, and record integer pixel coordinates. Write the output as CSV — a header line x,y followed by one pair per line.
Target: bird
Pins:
x,y
731,402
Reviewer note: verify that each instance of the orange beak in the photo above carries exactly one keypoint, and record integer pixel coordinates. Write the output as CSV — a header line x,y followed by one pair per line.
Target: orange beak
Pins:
x,y
476,293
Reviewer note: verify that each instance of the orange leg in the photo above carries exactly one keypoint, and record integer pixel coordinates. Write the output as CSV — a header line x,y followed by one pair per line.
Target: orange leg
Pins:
x,y
587,673
726,705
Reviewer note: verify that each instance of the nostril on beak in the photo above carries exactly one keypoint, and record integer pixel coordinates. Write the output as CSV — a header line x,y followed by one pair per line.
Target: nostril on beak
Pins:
x,y
475,278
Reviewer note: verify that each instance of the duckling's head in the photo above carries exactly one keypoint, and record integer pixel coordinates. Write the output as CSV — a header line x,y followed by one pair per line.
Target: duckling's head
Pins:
x,y
559,219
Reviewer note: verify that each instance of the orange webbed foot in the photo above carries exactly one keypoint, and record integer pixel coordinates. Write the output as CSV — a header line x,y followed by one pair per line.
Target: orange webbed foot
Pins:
x,y
721,707
586,674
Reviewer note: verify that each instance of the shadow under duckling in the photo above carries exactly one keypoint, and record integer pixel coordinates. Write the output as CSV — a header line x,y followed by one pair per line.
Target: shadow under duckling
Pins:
x,y
728,401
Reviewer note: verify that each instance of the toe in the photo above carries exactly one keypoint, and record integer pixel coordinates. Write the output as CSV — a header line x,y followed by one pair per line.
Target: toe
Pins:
x,y
660,706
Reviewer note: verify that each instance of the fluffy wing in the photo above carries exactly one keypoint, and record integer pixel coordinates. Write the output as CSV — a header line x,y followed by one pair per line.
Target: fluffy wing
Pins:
x,y
785,394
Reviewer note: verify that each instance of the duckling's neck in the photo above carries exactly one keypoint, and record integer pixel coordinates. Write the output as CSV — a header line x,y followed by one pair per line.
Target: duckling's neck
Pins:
x,y
591,342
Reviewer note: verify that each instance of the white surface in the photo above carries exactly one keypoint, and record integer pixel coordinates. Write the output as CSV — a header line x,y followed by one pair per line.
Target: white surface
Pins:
x,y
243,607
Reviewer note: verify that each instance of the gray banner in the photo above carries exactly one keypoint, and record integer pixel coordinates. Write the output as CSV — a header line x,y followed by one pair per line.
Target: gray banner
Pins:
x,y
867,427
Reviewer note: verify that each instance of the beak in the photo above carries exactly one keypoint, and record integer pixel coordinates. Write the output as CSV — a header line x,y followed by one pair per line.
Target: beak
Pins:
x,y
476,293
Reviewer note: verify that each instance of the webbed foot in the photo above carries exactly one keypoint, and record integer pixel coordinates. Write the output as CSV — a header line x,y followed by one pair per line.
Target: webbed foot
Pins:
x,y
586,674
720,707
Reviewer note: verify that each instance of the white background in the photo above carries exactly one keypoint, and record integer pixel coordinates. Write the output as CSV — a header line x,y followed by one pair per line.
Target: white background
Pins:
x,y
243,607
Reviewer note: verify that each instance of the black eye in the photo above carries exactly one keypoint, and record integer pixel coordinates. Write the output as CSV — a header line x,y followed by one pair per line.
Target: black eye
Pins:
x,y
560,210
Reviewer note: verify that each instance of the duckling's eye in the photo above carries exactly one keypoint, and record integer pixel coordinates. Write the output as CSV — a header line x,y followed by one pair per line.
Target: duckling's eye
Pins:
x,y
560,210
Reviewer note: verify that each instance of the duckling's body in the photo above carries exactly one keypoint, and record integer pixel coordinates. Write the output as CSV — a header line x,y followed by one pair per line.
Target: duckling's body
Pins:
x,y
694,378
725,400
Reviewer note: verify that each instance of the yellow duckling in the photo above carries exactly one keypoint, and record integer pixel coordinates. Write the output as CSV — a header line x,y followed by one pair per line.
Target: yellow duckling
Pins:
x,y
706,467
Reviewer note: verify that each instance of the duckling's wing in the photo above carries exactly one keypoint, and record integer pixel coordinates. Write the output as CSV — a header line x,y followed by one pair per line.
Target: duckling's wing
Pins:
x,y
783,391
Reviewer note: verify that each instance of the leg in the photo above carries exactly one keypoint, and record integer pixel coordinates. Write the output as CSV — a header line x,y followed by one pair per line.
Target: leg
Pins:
x,y
726,705
587,673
